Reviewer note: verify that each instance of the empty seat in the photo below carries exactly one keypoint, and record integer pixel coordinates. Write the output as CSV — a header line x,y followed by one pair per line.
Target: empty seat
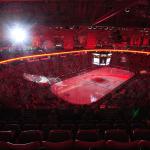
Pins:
x,y
12,127
7,136
65,145
47,127
4,145
141,134
59,135
87,135
115,145
84,145
30,127
30,136
117,135
27,146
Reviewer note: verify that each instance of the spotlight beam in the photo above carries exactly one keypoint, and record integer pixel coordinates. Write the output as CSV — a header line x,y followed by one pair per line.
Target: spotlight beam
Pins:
x,y
73,52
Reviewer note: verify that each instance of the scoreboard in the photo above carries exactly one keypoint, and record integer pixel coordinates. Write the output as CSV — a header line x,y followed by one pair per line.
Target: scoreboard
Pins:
x,y
102,59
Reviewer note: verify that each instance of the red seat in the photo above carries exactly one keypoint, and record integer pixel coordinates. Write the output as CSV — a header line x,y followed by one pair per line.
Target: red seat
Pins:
x,y
87,135
115,145
84,145
7,136
117,135
12,127
65,145
30,136
141,134
47,127
59,135
4,145
27,146
30,127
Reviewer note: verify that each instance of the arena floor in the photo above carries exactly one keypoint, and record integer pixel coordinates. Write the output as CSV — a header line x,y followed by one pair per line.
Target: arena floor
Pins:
x,y
91,86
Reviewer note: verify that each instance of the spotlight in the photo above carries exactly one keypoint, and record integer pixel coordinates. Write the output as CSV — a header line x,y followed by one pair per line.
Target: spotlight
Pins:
x,y
18,34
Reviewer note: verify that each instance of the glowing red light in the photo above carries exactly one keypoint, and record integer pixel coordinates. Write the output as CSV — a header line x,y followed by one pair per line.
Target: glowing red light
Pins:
x,y
72,52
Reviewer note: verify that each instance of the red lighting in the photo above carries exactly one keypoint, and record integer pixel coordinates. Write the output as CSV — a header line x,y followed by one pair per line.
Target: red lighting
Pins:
x,y
72,52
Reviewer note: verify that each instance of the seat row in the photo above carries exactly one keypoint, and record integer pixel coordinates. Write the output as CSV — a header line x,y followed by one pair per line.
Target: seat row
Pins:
x,y
81,135
100,126
78,145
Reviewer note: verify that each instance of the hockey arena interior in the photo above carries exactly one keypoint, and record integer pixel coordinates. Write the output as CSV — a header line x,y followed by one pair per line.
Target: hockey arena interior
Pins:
x,y
74,75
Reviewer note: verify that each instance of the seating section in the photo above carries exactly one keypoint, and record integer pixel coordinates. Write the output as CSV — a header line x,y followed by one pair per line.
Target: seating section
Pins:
x,y
129,38
67,68
77,145
74,139
75,134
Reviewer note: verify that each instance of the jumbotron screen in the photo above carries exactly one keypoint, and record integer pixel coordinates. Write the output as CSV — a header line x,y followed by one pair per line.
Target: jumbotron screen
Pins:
x,y
102,59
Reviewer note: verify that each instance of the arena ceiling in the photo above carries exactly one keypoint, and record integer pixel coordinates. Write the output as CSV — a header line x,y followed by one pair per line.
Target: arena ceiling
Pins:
x,y
77,12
